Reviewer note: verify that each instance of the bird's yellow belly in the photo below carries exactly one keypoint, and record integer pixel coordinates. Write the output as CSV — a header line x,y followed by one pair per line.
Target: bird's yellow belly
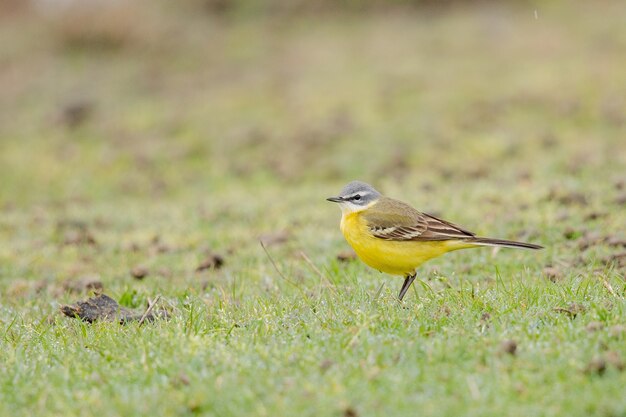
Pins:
x,y
392,257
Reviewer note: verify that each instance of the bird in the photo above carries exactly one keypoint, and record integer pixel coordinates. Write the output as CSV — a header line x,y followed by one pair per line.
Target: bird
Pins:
x,y
393,237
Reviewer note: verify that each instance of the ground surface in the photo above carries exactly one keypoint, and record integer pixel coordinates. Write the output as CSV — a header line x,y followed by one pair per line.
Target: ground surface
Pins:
x,y
154,142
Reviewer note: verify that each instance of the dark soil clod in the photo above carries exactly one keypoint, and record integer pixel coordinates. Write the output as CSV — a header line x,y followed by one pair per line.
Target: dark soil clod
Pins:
x,y
509,346
597,365
594,215
568,198
76,112
75,232
346,256
139,272
212,261
104,308
350,412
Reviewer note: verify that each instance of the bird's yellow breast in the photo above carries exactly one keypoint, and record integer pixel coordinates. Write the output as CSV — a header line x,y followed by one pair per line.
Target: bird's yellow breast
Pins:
x,y
392,257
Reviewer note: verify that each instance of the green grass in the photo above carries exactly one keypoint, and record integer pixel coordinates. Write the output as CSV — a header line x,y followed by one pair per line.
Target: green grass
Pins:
x,y
203,133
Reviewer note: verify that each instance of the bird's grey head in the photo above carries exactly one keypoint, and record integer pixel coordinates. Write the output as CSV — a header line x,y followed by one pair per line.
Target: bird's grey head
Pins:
x,y
356,196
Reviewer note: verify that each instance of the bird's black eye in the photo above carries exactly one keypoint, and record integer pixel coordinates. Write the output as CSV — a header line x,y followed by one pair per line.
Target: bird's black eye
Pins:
x,y
357,197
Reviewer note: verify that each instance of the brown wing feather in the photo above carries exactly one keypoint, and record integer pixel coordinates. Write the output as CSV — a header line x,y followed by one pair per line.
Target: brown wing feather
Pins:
x,y
390,219
440,229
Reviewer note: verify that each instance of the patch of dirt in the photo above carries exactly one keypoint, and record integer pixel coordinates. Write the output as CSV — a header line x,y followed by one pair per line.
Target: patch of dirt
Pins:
x,y
600,363
567,198
617,259
164,272
139,272
346,256
350,412
589,239
509,347
594,326
614,359
76,112
553,273
597,365
595,215
326,364
157,246
75,232
615,241
104,308
211,261
275,238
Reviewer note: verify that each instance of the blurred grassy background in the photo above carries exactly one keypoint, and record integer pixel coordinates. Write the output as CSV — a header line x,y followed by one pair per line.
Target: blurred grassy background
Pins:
x,y
105,99
222,121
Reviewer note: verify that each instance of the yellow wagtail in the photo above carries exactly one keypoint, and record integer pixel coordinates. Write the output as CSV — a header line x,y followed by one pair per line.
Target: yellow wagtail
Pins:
x,y
393,237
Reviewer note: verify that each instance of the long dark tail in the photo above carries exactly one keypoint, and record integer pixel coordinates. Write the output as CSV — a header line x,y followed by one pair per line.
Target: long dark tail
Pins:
x,y
485,241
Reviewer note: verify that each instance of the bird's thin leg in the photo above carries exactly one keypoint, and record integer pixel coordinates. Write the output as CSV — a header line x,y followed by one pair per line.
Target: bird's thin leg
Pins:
x,y
407,283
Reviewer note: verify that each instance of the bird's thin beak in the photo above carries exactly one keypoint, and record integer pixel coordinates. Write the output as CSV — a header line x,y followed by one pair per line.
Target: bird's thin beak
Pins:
x,y
335,199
